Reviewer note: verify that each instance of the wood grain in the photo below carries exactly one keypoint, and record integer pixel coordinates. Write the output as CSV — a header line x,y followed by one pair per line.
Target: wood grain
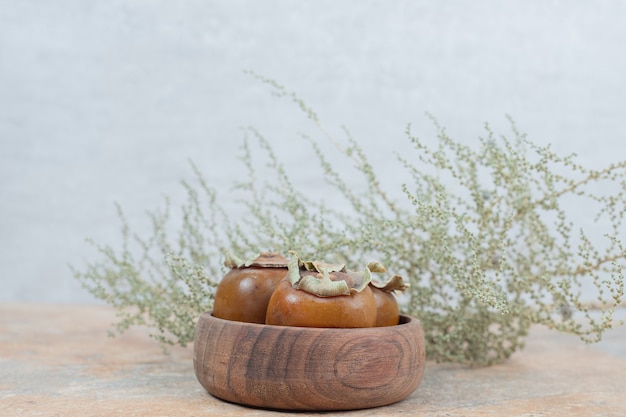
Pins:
x,y
299,368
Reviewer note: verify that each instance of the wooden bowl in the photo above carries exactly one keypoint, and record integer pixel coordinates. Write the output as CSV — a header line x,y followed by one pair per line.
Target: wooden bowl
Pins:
x,y
303,368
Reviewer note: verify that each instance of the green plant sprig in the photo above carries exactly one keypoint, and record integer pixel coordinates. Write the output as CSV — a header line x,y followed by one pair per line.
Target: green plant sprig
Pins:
x,y
482,236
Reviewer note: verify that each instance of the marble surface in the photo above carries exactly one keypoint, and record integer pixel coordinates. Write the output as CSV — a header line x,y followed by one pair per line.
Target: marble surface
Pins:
x,y
106,102
56,360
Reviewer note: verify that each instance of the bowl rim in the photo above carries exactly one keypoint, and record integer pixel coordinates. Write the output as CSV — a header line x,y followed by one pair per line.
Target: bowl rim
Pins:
x,y
405,319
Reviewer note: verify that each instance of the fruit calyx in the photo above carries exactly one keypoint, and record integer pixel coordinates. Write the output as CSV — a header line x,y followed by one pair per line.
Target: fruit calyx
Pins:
x,y
395,283
260,260
328,280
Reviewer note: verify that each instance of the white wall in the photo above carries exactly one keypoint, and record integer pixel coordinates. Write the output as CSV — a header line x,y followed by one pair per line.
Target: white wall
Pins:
x,y
105,101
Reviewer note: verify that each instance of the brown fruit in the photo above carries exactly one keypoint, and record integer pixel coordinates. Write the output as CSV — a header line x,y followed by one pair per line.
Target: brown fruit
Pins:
x,y
244,292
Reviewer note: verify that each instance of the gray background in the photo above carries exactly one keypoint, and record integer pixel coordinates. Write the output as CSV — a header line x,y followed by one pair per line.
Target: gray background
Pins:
x,y
105,101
